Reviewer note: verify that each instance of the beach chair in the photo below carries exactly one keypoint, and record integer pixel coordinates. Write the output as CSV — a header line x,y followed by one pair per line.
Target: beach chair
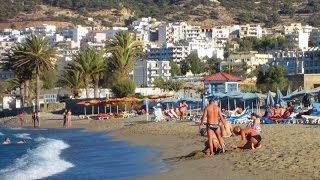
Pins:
x,y
240,118
158,115
314,117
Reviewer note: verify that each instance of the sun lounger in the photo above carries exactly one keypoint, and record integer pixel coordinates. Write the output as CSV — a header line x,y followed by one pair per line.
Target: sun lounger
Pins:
x,y
239,119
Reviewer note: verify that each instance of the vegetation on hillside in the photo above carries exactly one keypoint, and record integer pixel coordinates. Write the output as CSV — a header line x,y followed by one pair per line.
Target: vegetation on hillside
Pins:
x,y
265,11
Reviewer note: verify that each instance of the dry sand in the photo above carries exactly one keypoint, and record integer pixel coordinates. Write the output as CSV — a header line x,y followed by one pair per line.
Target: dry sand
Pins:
x,y
288,152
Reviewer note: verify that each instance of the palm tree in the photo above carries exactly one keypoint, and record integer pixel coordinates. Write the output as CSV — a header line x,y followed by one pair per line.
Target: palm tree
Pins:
x,y
73,79
124,51
98,67
90,63
36,54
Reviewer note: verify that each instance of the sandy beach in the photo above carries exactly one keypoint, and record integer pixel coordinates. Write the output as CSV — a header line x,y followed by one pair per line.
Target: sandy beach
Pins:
x,y
290,151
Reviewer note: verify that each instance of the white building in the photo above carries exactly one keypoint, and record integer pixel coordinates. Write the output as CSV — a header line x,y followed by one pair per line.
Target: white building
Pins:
x,y
110,33
250,30
252,58
302,34
306,63
205,48
79,32
175,32
169,51
146,71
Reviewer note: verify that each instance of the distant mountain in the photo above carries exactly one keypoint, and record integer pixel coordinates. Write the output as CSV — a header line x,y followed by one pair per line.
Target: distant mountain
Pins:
x,y
201,12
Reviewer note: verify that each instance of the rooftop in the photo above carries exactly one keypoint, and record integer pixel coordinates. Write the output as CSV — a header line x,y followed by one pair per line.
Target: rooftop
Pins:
x,y
222,76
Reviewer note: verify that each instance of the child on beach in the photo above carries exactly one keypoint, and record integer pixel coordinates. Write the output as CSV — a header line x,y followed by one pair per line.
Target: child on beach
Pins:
x,y
250,138
21,118
254,122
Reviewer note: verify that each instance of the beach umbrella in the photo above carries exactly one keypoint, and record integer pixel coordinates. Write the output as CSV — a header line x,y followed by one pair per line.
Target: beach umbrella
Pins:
x,y
279,98
269,100
289,90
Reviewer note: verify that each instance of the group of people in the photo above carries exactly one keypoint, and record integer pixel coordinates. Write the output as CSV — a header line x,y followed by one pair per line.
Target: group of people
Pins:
x,y
278,112
217,127
8,141
179,112
66,118
35,119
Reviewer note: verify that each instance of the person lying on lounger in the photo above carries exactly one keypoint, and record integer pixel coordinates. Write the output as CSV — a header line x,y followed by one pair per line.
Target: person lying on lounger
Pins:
x,y
250,138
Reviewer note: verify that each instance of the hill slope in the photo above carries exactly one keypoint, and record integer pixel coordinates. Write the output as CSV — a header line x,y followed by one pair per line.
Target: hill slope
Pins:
x,y
201,12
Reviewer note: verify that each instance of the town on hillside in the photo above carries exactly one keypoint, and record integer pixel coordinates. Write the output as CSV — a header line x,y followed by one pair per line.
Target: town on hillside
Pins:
x,y
178,51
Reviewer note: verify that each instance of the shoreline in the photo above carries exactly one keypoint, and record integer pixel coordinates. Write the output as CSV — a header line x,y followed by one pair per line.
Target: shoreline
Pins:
x,y
283,155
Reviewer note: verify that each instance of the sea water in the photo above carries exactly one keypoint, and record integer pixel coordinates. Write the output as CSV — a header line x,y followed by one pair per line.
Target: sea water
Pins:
x,y
72,154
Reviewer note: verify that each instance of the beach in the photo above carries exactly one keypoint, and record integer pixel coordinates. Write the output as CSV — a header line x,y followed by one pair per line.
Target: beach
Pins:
x,y
289,151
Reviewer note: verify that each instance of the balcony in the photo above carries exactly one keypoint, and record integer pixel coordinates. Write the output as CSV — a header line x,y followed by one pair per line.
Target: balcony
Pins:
x,y
153,68
154,75
166,67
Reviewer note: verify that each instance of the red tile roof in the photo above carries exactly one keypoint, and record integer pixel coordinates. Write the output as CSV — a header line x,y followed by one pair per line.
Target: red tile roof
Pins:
x,y
222,76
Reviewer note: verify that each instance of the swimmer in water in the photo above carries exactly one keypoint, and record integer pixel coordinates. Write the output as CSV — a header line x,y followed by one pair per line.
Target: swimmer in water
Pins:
x,y
6,141
22,141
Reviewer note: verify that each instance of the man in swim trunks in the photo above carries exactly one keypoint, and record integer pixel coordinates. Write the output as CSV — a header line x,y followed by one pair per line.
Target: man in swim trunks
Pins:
x,y
212,113
249,136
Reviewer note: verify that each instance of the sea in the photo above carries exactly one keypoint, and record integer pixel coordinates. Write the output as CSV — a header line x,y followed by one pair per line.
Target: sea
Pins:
x,y
73,154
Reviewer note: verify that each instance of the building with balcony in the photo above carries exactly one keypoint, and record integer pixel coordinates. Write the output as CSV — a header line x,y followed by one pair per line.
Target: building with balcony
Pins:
x,y
168,51
250,30
302,62
146,71
178,31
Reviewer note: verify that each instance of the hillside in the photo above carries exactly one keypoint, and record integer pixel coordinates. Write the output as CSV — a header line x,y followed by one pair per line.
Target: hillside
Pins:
x,y
119,12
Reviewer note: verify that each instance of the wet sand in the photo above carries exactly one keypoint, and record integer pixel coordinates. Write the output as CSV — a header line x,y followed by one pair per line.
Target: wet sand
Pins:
x,y
289,151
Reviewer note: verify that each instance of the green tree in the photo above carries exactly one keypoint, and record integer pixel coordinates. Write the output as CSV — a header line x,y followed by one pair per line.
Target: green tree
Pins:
x,y
272,79
175,69
193,63
213,64
98,68
73,79
36,54
124,52
49,79
124,88
90,63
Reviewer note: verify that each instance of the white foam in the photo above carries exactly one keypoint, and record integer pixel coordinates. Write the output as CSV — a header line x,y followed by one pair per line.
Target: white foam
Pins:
x,y
1,134
38,163
23,136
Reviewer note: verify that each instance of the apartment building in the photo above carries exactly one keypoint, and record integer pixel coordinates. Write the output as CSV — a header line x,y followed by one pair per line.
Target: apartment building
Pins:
x,y
250,30
146,71
168,51
175,32
306,62
252,58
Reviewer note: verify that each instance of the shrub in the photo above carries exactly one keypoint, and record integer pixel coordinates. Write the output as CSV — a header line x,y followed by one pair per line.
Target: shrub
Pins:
x,y
124,88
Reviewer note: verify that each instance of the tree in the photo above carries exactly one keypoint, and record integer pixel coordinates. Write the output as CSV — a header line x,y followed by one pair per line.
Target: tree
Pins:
x,y
272,79
90,64
73,79
124,51
98,67
175,69
192,63
36,54
124,88
213,65
167,85
49,79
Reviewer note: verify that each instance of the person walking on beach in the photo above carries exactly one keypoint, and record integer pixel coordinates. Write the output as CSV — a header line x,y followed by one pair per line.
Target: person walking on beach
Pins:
x,y
182,109
69,118
21,118
212,113
65,118
38,118
34,119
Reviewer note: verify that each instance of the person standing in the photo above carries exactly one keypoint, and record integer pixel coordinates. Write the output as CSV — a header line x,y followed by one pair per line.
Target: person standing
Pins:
x,y
38,118
212,113
65,118
183,108
69,118
34,119
21,118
